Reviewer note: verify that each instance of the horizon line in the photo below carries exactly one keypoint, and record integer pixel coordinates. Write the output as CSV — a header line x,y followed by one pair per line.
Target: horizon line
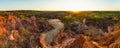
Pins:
x,y
55,10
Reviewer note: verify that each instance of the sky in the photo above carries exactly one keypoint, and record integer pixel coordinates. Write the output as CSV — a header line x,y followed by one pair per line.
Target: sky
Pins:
x,y
51,5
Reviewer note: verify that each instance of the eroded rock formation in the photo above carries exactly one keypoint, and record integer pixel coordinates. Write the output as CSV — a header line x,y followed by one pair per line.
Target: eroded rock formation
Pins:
x,y
47,38
51,33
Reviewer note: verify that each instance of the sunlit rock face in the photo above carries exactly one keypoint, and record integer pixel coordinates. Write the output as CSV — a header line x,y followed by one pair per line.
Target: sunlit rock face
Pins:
x,y
47,38
63,39
3,27
13,29
14,35
11,21
77,43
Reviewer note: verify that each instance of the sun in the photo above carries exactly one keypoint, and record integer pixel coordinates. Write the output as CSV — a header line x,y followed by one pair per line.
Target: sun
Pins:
x,y
75,11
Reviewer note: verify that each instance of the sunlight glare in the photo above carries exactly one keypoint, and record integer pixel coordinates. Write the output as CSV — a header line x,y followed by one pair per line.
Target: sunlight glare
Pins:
x,y
76,5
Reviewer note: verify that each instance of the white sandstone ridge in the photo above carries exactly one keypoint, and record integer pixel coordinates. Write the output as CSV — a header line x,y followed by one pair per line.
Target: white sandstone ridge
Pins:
x,y
47,38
